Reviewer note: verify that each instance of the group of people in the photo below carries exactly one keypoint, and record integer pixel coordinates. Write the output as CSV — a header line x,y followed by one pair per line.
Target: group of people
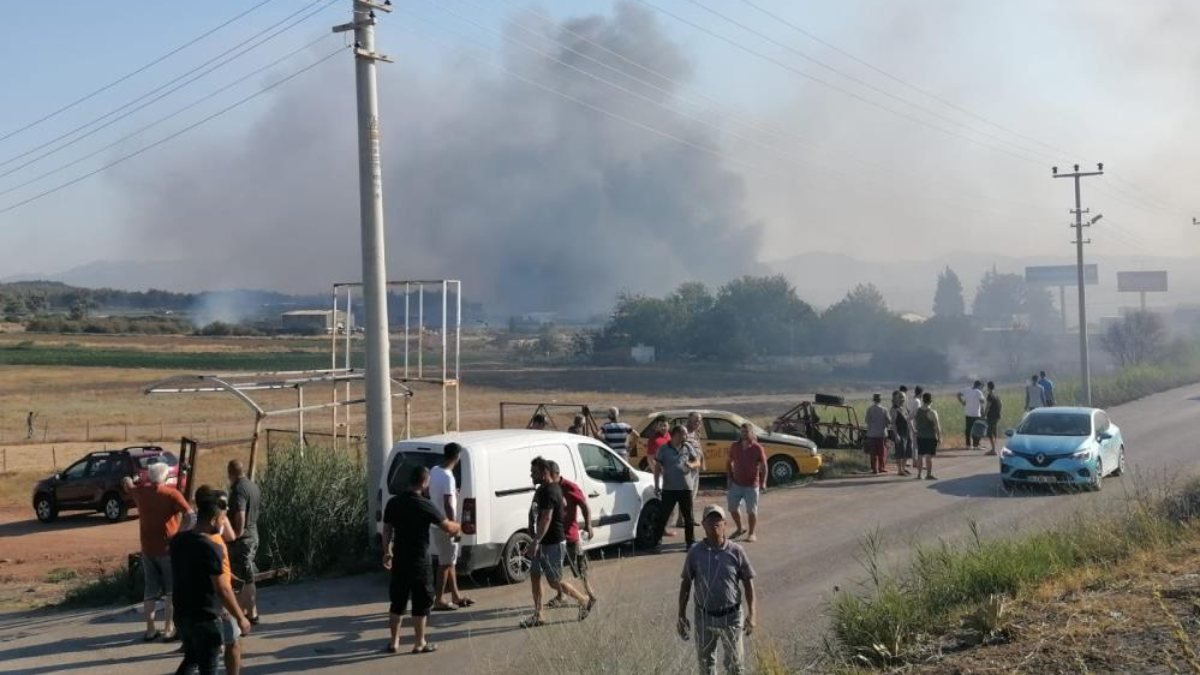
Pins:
x,y
201,564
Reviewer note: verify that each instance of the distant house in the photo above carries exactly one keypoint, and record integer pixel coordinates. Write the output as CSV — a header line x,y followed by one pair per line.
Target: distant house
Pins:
x,y
313,321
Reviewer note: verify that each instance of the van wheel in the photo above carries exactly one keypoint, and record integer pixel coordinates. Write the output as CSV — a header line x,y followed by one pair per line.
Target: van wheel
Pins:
x,y
45,508
514,560
781,469
113,507
647,527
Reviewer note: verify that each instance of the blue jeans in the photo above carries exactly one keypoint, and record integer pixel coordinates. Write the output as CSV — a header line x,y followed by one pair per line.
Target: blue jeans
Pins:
x,y
202,642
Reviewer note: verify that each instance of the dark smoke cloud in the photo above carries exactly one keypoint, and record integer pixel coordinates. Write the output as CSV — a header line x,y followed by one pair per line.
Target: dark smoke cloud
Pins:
x,y
534,201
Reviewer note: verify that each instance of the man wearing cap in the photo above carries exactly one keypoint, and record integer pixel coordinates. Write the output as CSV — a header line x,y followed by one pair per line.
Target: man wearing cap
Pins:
x,y
616,434
721,573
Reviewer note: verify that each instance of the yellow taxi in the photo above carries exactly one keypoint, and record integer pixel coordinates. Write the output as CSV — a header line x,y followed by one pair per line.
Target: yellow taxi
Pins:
x,y
787,456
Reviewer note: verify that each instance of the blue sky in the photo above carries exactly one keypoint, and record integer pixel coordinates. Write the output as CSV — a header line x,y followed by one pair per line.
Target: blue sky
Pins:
x,y
1109,79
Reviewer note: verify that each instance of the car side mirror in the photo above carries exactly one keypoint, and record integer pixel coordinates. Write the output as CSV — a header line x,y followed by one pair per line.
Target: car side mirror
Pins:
x,y
629,475
1009,432
1104,436
57,476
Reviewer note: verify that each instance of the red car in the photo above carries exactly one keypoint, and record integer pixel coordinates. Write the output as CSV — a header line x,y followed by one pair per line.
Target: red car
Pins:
x,y
94,482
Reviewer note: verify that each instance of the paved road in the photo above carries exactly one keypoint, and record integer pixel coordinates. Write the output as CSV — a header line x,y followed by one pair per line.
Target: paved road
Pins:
x,y
812,538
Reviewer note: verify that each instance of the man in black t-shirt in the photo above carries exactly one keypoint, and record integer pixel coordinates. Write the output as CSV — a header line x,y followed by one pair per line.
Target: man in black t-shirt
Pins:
x,y
200,590
406,522
549,546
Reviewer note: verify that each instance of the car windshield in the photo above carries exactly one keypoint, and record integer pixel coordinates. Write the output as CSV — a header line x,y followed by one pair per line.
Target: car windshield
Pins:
x,y
1056,424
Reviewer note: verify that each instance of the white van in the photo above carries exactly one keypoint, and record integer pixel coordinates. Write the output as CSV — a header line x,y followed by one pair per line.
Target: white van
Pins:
x,y
495,491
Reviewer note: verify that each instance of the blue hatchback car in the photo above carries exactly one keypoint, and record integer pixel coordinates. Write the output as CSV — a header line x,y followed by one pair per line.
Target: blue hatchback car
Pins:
x,y
1063,446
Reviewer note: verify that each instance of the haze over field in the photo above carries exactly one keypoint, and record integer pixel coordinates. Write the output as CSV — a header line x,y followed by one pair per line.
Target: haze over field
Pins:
x,y
554,156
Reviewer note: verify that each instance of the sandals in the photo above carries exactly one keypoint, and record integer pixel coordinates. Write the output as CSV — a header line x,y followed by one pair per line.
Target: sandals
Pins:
x,y
532,622
585,610
556,602
390,649
465,602
151,637
427,648
445,608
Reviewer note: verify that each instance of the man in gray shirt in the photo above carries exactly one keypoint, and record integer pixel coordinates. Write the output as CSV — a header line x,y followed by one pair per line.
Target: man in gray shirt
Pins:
x,y
878,426
716,567
674,475
243,516
692,431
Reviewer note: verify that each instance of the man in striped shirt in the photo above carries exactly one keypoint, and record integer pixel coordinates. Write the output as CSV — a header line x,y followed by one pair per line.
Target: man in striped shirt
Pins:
x,y
616,434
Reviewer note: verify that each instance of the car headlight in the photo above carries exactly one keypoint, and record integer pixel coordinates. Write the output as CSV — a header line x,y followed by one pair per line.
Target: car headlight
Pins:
x,y
1005,452
1083,454
814,451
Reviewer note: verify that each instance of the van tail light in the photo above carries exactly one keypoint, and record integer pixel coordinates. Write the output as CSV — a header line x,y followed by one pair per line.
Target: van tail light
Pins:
x,y
468,516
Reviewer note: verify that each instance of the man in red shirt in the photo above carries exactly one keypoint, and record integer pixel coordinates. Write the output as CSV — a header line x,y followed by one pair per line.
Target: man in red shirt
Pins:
x,y
159,509
574,501
746,472
658,438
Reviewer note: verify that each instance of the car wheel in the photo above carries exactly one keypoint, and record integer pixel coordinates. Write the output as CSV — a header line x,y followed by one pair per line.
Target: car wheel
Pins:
x,y
647,528
45,508
1098,478
514,559
1120,470
113,507
781,469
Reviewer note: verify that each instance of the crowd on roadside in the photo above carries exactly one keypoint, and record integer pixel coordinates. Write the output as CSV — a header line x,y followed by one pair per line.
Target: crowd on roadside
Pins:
x,y
911,430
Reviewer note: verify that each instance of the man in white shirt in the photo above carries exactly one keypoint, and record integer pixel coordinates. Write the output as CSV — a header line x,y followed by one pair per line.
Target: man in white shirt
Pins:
x,y
1035,394
972,400
443,492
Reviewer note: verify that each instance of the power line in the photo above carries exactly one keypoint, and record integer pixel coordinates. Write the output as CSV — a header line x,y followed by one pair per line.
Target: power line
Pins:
x,y
170,91
132,73
193,104
177,134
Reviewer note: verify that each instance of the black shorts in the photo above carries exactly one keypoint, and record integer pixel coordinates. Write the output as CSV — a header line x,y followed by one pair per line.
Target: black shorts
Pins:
x,y
577,560
993,425
927,447
411,584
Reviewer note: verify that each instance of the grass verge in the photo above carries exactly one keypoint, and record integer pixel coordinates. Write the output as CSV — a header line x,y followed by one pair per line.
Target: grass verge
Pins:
x,y
111,587
965,588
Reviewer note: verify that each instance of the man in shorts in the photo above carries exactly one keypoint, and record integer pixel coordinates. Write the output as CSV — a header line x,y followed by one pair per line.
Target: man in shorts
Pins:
x,y
929,436
443,492
747,475
548,548
243,516
574,505
406,522
160,507
993,412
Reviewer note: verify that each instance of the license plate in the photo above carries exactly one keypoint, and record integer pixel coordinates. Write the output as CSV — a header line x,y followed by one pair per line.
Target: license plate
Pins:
x,y
1043,479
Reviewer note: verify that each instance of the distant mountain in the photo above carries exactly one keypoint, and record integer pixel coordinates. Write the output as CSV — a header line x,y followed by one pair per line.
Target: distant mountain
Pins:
x,y
126,275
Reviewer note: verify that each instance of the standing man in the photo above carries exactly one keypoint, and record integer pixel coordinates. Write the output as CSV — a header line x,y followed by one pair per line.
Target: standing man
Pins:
x,y
716,567
691,432
972,400
912,406
406,522
902,424
746,474
659,436
538,423
243,516
548,548
230,633
443,492
929,435
574,503
29,420
673,479
878,426
577,426
160,507
616,434
201,590
1035,395
994,410
1047,386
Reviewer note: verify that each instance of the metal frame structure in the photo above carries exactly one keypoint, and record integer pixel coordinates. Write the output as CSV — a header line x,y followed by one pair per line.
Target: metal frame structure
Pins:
x,y
239,384
413,370
591,427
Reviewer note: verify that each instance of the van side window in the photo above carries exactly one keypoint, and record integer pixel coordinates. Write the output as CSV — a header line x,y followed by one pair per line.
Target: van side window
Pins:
x,y
601,465
721,430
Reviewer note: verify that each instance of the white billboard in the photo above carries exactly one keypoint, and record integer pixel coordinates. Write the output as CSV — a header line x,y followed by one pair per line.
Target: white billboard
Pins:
x,y
1142,282
1061,275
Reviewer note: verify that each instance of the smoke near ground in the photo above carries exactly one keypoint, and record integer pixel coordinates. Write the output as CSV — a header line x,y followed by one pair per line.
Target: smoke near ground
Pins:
x,y
535,201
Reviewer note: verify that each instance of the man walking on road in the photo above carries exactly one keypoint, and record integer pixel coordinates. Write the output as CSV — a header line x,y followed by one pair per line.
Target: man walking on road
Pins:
x,y
230,633
673,479
902,424
243,516
721,573
994,410
746,473
443,492
972,400
406,522
616,433
878,425
692,439
1035,395
929,435
160,507
1047,386
201,590
574,505
548,548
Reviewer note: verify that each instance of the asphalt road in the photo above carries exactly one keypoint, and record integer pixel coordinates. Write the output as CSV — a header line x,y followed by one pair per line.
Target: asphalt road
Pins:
x,y
811,540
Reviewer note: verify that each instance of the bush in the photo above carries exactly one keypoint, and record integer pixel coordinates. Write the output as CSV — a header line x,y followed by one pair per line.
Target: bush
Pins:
x,y
112,587
314,510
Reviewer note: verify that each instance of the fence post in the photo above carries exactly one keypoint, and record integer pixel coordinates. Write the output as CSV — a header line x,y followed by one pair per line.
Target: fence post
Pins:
x,y
54,457
161,435
126,432
88,433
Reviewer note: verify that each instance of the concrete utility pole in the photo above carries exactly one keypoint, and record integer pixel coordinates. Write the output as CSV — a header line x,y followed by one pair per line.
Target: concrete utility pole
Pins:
x,y
374,267
1084,367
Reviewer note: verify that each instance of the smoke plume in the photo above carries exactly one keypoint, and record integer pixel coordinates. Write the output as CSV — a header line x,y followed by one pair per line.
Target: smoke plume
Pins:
x,y
537,202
